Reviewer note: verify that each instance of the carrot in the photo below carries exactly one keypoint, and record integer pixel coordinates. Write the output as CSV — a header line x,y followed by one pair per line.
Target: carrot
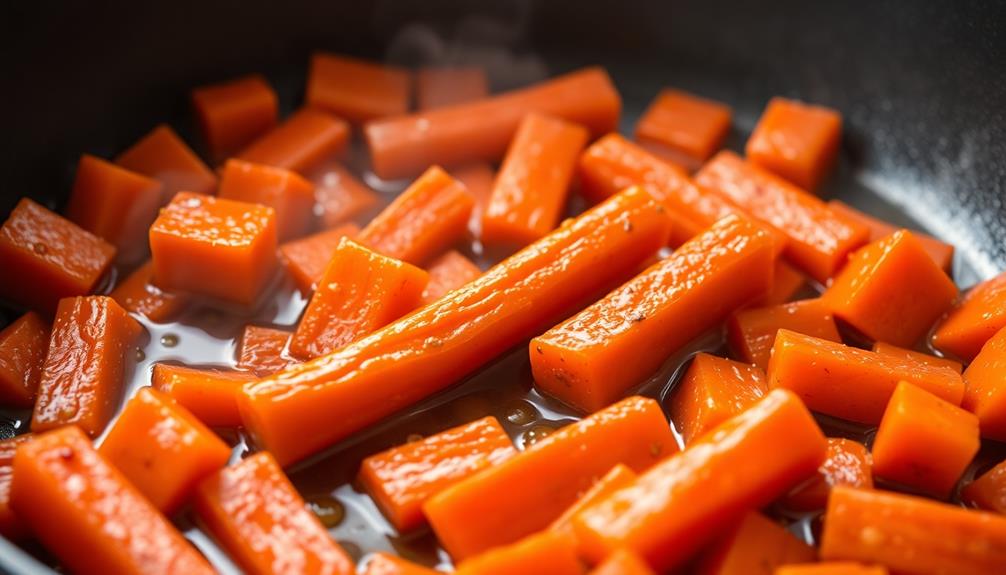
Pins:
x,y
622,562
687,128
478,179
888,349
339,195
528,492
305,259
289,194
302,142
529,195
257,516
442,87
11,526
360,292
88,514
401,479
163,155
50,256
597,355
23,345
263,350
988,491
546,552
680,504
851,383
616,478
310,406
848,463
215,247
974,319
357,90
712,391
211,395
138,294
447,273
942,253
751,332
756,545
819,239
384,564
480,131
233,113
797,141
162,449
92,342
891,290
911,535
832,568
427,218
985,388
786,283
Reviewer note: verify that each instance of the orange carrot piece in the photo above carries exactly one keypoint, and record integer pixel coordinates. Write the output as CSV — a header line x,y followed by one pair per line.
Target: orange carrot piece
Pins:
x,y
786,282
973,320
441,87
529,491
317,403
478,179
360,292
910,534
673,509
23,345
616,478
93,340
988,491
447,273
401,479
755,546
888,349
481,131
138,294
50,256
339,194
357,90
289,194
985,387
257,516
301,142
593,358
424,220
832,568
848,463
530,192
215,247
819,239
210,394
263,350
622,562
546,552
851,383
163,155
712,391
687,126
162,449
11,526
942,253
751,332
796,141
384,564
233,113
306,259
89,515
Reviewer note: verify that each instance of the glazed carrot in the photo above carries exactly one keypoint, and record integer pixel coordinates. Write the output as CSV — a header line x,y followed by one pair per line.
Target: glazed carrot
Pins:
x,y
751,332
832,568
755,546
911,535
10,526
305,259
339,194
289,194
263,350
819,239
257,516
233,113
384,564
987,491
214,247
797,141
851,383
480,131
973,320
673,509
687,128
529,195
546,552
50,256
401,479
163,155
942,253
295,413
441,87
848,463
985,388
888,349
211,395
593,358
23,345
360,292
528,492
616,478
447,273
786,282
712,391
138,294
301,142
622,562
93,340
890,290
424,220
114,203
162,449
478,179
357,90
88,514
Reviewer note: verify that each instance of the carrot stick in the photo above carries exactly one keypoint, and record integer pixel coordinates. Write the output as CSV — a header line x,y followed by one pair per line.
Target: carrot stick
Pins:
x,y
942,253
973,320
384,564
985,388
796,141
23,345
888,349
442,87
302,142
286,192
211,395
11,526
263,350
751,332
138,294
988,491
447,273
306,258
616,478
355,89
233,113
712,391
546,552
848,463
623,562
478,179
164,156
755,546
688,127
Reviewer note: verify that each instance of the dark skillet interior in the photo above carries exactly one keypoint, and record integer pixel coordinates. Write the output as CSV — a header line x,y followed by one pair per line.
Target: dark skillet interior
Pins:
x,y
921,85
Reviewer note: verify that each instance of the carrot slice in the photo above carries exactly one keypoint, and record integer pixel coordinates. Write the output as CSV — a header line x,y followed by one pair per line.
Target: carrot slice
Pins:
x,y
819,239
623,562
673,509
689,128
163,155
616,478
848,463
50,256
263,350
401,479
985,387
306,259
973,320
215,247
478,179
11,526
384,564
233,113
138,294
23,345
546,552
786,282
888,349
530,192
593,358
360,292
357,90
447,273
289,194
441,87
528,492
851,383
712,391
832,568
756,545
910,534
339,194
89,515
92,341
210,394
987,491
315,404
797,141
162,449
942,253
254,512
480,131
301,142
751,332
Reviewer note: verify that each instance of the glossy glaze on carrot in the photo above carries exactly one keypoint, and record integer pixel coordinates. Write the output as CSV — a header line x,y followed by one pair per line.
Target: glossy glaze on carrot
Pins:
x,y
848,463
713,390
210,394
137,294
305,259
263,350
23,346
985,391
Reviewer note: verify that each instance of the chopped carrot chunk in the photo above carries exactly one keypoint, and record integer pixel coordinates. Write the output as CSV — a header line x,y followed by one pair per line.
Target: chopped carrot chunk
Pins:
x,y
616,478
987,491
263,350
751,332
23,345
289,194
545,552
797,141
848,463
832,568
210,394
888,349
447,273
138,294
712,391
973,320
623,562
478,179
233,113
689,128
10,526
985,387
340,196
302,142
356,89
384,564
441,87
786,283
163,155
941,252
755,546
306,258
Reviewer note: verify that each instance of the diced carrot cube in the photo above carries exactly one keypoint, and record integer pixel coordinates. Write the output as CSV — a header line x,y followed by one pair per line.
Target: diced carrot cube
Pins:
x,y
263,350
848,463
50,256
215,247
687,126
832,568
233,113
306,258
210,394
357,90
441,87
786,282
616,478
100,337
888,349
286,192
545,552
384,564
23,345
10,526
755,546
622,562
138,294
797,141
988,491
751,332
447,273
712,391
985,387
478,179
941,252
973,320
302,142
163,155
339,194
